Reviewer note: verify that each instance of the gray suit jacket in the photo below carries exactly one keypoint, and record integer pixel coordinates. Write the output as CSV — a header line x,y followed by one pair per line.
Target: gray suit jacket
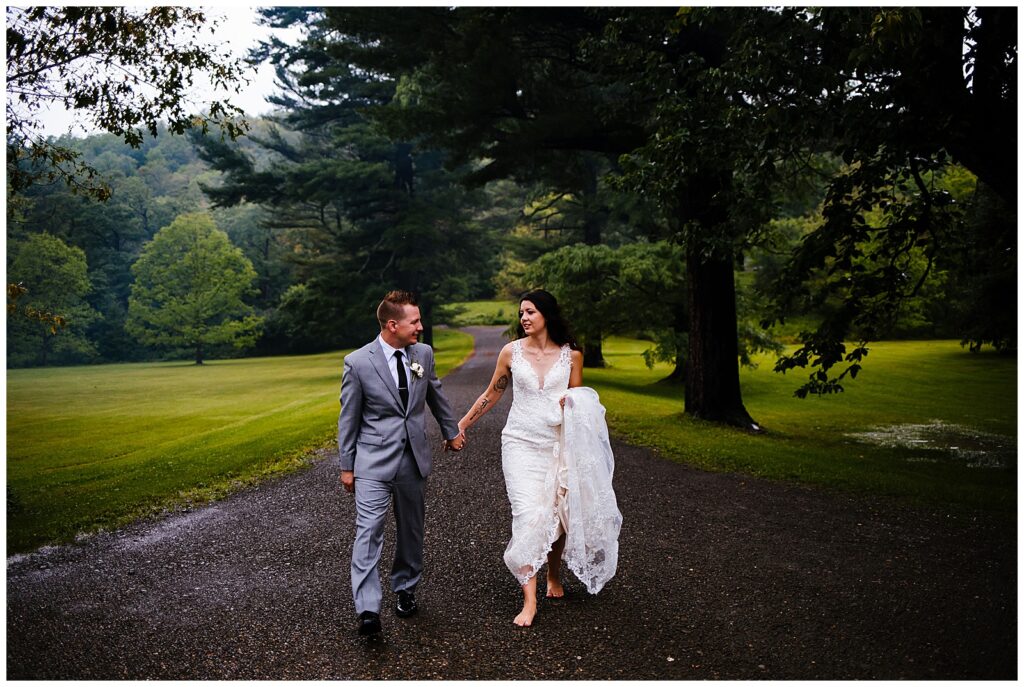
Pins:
x,y
373,428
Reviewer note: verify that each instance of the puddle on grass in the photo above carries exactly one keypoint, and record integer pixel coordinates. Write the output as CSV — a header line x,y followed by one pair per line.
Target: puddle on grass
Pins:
x,y
966,445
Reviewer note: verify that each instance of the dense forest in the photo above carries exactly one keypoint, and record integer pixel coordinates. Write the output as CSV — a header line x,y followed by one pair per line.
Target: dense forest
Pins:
x,y
500,241
750,177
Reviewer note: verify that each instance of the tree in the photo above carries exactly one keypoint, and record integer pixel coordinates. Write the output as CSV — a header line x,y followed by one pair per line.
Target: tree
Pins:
x,y
707,112
112,232
519,91
700,161
898,94
640,294
16,292
49,320
332,193
189,289
503,92
982,267
583,278
742,97
635,289
121,69
362,218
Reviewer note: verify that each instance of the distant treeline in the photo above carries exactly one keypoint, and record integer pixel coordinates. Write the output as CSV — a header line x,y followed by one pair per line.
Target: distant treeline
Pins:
x,y
73,256
315,288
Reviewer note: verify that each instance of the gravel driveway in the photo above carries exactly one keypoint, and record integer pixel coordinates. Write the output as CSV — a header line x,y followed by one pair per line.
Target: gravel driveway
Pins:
x,y
720,576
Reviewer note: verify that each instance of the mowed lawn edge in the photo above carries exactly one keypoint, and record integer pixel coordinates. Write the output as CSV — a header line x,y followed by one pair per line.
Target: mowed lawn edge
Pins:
x,y
97,447
810,440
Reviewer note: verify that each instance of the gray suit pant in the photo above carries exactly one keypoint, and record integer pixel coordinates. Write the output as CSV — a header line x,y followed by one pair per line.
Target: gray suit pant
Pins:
x,y
373,497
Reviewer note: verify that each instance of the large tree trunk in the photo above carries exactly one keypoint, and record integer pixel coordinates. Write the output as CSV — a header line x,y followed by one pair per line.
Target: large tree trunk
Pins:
x,y
593,226
712,374
592,354
981,122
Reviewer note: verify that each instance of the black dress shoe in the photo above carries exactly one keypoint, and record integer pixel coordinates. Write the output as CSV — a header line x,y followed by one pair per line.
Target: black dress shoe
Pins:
x,y
369,623
406,604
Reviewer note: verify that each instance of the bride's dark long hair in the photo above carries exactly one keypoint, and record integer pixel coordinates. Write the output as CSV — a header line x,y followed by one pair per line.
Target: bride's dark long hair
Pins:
x,y
558,329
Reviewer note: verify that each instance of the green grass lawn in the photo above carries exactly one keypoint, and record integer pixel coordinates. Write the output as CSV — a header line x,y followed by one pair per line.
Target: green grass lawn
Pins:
x,y
98,446
902,382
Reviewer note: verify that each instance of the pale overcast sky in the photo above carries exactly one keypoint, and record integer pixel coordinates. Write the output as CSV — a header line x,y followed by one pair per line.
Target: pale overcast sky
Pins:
x,y
238,31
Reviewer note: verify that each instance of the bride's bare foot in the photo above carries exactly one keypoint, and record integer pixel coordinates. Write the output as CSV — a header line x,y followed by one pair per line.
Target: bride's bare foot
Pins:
x,y
525,617
555,589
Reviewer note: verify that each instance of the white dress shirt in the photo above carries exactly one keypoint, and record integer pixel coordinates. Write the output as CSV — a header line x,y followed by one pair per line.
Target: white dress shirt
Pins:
x,y
389,353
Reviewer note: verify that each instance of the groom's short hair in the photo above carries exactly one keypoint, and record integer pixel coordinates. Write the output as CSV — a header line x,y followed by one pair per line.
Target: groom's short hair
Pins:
x,y
391,307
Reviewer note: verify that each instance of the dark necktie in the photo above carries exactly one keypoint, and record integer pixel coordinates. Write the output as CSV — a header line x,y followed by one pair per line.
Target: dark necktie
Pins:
x,y
403,381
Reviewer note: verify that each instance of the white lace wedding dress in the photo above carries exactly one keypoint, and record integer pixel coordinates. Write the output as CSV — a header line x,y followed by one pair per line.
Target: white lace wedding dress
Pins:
x,y
549,494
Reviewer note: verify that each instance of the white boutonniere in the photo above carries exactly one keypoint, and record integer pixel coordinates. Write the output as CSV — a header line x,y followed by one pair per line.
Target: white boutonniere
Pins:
x,y
416,368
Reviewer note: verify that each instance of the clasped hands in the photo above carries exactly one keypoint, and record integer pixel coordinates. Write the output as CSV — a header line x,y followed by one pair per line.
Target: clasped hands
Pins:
x,y
456,444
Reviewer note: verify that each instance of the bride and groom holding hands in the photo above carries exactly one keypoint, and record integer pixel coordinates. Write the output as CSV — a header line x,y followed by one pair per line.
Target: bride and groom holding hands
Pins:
x,y
556,458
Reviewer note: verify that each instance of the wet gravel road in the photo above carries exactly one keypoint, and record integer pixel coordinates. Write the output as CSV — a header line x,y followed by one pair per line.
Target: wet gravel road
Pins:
x,y
720,576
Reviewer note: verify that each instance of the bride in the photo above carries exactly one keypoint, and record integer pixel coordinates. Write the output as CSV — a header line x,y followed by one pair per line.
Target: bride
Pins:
x,y
555,457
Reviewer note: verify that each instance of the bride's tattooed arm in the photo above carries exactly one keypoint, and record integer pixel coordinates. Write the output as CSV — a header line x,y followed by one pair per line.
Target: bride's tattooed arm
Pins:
x,y
499,382
481,408
484,401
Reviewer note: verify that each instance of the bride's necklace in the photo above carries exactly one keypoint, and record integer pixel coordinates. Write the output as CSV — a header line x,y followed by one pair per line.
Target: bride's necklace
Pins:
x,y
540,354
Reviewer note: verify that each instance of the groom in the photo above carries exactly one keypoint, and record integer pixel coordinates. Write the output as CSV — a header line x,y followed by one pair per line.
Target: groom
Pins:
x,y
385,457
